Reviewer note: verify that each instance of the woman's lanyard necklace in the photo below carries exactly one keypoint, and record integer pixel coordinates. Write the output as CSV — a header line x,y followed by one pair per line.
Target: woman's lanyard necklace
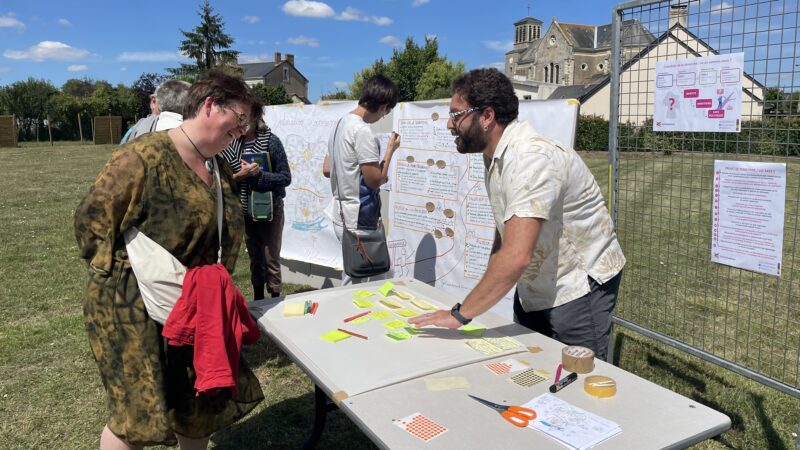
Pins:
x,y
209,166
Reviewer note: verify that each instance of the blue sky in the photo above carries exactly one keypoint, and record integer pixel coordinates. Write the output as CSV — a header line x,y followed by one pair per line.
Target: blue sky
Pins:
x,y
117,41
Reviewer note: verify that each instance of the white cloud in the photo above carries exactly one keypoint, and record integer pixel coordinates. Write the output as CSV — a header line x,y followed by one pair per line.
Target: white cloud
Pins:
x,y
161,56
305,8
499,65
5,69
416,3
77,68
9,21
340,84
499,46
64,22
351,13
320,10
720,7
251,19
249,59
48,50
123,69
390,40
302,40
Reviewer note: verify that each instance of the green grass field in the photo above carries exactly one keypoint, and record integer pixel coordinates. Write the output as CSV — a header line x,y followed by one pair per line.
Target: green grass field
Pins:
x,y
51,394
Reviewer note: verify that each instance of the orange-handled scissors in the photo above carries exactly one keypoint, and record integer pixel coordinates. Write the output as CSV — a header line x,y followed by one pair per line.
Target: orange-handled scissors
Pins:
x,y
516,415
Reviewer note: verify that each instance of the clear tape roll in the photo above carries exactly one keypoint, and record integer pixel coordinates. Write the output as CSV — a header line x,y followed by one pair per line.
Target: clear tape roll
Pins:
x,y
600,386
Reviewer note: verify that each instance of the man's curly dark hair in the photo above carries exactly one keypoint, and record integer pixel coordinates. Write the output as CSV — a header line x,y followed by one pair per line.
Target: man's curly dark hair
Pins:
x,y
488,87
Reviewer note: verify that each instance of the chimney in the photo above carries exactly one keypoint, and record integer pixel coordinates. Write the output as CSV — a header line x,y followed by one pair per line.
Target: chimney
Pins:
x,y
290,58
277,57
678,14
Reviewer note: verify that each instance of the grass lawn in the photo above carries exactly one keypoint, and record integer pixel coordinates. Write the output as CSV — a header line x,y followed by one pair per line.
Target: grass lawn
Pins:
x,y
51,394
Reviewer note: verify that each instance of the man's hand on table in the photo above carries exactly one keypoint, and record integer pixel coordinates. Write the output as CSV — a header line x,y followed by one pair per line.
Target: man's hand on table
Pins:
x,y
438,318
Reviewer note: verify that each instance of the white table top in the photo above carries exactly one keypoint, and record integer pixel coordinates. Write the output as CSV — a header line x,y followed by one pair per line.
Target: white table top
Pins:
x,y
650,416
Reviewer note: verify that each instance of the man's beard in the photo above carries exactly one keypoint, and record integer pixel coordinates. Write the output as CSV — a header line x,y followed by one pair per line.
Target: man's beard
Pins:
x,y
472,140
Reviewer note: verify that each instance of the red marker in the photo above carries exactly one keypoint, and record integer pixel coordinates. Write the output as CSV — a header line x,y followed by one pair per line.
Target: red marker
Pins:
x,y
353,334
357,316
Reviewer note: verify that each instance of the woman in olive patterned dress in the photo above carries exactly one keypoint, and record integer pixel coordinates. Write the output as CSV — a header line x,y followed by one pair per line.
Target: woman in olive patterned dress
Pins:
x,y
161,184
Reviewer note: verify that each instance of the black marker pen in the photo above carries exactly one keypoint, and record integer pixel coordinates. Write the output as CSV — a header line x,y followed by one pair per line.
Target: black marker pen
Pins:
x,y
564,382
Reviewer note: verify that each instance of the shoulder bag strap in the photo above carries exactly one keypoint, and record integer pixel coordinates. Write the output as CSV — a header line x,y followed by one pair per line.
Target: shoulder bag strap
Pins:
x,y
333,174
220,209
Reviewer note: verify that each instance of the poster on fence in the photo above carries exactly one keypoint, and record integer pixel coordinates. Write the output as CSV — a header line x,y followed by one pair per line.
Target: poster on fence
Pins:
x,y
747,215
699,94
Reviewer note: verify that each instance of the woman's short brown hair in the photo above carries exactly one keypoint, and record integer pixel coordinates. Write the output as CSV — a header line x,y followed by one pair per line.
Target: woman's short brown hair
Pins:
x,y
221,87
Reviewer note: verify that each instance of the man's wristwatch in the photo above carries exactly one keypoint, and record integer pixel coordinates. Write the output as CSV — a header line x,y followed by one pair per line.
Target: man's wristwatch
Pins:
x,y
456,312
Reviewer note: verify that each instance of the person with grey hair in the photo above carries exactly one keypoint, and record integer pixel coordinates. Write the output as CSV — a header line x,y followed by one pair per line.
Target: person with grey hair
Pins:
x,y
167,106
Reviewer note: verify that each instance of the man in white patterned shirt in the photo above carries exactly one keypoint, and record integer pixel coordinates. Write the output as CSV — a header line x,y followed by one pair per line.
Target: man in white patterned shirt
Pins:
x,y
554,236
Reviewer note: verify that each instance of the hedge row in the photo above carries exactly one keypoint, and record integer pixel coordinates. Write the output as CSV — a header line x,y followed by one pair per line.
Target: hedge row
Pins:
x,y
771,136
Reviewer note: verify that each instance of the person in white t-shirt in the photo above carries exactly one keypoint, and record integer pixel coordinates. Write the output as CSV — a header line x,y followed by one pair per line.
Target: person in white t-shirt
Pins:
x,y
360,171
554,237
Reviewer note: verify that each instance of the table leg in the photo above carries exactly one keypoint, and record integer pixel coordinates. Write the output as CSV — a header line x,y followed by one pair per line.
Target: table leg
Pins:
x,y
322,406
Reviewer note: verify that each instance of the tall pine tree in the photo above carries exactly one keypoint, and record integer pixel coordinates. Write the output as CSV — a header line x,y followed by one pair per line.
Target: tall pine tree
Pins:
x,y
207,44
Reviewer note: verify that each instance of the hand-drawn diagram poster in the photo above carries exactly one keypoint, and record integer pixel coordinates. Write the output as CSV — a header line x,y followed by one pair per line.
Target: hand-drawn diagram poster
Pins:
x,y
441,227
304,130
699,94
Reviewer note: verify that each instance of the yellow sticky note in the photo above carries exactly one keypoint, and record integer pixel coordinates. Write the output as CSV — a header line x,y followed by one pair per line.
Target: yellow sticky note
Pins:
x,y
503,343
396,323
386,288
398,335
391,303
363,294
484,347
361,303
403,295
472,330
293,309
407,313
542,373
335,336
359,320
423,305
380,315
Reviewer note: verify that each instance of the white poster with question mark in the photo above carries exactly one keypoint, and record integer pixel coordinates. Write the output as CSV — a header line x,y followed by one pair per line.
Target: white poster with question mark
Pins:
x,y
699,94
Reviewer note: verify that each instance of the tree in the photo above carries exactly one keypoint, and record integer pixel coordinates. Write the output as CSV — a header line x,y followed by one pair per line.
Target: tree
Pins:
x,y
29,101
377,68
271,95
338,95
207,44
408,67
436,80
143,87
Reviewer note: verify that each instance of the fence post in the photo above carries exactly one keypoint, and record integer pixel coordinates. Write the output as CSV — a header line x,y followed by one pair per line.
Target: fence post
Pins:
x,y
49,130
80,127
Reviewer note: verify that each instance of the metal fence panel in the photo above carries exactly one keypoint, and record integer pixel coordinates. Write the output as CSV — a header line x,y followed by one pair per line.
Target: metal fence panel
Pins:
x,y
747,322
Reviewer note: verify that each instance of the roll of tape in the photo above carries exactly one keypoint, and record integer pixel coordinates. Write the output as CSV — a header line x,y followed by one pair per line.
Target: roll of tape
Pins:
x,y
577,359
600,386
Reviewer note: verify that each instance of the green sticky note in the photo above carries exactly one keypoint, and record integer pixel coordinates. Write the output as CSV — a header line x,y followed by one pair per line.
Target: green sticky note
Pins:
x,y
407,313
472,330
361,319
361,303
396,323
380,315
335,336
363,294
398,335
413,331
386,288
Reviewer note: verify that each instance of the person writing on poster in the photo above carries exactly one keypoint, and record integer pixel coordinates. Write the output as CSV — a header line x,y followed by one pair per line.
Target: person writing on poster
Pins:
x,y
360,171
554,237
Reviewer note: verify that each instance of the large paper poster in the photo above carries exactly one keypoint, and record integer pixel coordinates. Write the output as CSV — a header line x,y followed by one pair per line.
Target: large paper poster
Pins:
x,y
699,94
441,225
747,215
304,130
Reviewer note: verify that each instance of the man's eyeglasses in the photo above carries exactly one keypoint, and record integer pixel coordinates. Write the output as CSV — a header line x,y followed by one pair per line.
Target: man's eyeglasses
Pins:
x,y
244,121
455,115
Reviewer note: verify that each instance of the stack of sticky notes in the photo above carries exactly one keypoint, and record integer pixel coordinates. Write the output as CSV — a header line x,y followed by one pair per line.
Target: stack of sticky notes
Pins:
x,y
300,309
335,336
422,304
361,303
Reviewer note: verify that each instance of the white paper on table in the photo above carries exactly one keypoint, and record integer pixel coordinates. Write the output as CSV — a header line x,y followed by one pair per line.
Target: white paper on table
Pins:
x,y
569,425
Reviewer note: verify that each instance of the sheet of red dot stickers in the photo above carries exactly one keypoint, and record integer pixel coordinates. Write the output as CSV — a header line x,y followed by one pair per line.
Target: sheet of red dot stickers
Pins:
x,y
420,426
